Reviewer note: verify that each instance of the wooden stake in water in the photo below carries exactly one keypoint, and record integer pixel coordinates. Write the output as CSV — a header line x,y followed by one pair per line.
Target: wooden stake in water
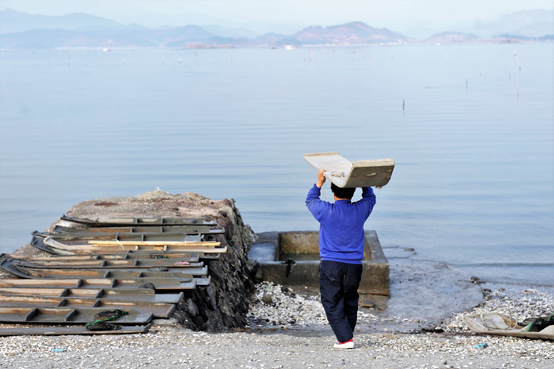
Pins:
x,y
517,58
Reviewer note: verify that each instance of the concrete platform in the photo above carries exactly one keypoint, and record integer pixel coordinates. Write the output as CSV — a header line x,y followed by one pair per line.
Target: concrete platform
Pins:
x,y
273,249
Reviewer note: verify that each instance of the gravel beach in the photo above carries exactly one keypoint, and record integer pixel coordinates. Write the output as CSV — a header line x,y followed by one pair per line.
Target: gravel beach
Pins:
x,y
305,342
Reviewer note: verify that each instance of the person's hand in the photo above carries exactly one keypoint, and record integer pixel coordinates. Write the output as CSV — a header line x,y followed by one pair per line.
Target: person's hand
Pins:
x,y
320,178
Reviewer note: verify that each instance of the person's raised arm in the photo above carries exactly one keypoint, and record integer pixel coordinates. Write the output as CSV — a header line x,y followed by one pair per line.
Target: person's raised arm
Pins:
x,y
320,178
369,199
313,202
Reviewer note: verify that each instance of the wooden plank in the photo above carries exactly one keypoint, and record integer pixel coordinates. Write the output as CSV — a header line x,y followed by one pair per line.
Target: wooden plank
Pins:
x,y
162,272
54,257
39,244
154,243
174,236
219,250
145,295
117,250
95,283
185,262
93,273
35,271
131,272
67,316
160,310
194,271
130,254
63,331
193,229
120,246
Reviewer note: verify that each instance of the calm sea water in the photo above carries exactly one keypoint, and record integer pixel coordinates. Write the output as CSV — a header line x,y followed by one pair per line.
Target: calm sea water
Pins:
x,y
474,179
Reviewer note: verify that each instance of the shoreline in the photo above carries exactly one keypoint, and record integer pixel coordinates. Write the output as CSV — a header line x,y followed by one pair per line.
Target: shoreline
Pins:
x,y
195,48
420,325
382,340
168,345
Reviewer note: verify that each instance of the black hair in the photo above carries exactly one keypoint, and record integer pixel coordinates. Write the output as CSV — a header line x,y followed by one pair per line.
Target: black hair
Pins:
x,y
343,193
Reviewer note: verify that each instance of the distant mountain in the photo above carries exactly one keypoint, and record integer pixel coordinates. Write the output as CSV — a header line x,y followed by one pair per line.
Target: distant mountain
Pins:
x,y
179,35
54,38
229,32
270,38
529,23
13,21
349,33
275,39
20,30
172,37
353,33
525,38
449,37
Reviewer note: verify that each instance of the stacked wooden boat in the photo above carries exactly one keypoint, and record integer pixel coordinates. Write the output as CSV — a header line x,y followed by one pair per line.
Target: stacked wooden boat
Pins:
x,y
141,266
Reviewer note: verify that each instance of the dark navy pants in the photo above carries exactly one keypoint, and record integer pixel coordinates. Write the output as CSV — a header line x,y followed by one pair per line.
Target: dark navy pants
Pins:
x,y
338,284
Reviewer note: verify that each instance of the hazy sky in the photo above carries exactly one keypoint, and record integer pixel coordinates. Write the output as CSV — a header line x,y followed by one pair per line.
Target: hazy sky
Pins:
x,y
394,14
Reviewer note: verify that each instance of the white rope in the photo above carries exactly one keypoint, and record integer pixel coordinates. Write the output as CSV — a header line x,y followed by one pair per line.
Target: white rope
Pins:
x,y
120,244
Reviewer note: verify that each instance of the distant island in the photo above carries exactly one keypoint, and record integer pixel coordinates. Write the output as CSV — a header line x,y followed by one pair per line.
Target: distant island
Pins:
x,y
24,31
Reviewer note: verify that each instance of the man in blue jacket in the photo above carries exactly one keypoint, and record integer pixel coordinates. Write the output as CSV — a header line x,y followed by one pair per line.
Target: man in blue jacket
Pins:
x,y
341,248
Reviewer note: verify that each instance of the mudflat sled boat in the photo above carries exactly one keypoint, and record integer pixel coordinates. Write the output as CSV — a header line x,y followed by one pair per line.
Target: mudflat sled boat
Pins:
x,y
114,222
504,325
343,173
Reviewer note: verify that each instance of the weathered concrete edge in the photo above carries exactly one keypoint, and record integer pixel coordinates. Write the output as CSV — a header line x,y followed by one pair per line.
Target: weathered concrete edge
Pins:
x,y
375,277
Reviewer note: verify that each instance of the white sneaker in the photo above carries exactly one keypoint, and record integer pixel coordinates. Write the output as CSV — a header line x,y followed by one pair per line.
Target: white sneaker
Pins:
x,y
344,345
